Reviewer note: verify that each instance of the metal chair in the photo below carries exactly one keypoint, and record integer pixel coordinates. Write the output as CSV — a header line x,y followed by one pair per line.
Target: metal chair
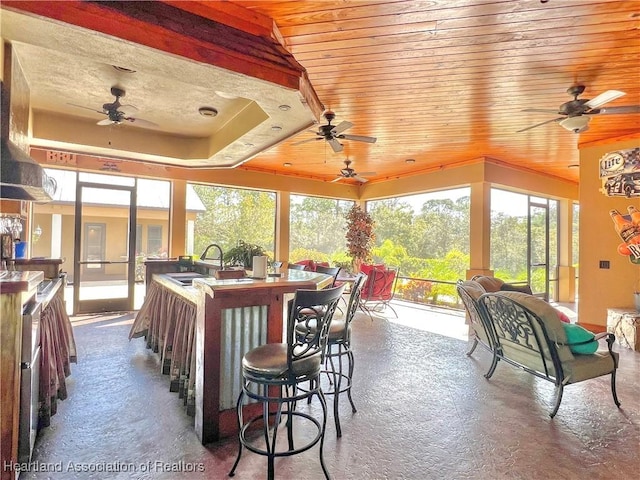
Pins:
x,y
378,290
481,332
338,347
333,271
273,372
530,336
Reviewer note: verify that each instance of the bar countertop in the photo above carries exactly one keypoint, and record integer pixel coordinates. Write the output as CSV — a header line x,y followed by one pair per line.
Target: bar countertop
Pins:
x,y
19,281
289,279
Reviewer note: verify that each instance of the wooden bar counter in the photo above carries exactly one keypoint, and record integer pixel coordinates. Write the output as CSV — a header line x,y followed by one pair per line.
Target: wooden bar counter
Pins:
x,y
232,317
15,289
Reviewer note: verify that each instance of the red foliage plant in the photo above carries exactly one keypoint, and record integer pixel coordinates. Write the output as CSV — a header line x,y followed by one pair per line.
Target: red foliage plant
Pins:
x,y
360,236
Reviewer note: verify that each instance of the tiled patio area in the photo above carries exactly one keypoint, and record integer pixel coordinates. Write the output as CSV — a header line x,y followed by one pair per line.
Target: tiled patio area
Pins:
x,y
425,411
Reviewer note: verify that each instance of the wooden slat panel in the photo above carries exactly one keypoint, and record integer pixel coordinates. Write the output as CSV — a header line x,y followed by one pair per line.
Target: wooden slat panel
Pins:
x,y
445,81
440,81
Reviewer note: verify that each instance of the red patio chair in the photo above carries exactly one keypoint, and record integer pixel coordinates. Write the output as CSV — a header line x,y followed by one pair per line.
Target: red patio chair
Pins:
x,y
309,265
378,290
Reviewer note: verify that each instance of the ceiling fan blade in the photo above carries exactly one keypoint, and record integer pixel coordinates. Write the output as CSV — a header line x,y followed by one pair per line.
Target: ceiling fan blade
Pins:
x,y
127,109
306,141
360,179
336,145
141,122
616,110
106,121
341,127
336,179
359,138
604,97
540,110
86,108
541,123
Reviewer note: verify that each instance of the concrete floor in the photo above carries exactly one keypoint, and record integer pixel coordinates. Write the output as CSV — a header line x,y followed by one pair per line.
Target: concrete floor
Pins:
x,y
425,411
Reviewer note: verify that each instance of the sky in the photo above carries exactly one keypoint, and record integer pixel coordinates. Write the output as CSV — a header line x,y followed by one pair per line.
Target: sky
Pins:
x,y
509,203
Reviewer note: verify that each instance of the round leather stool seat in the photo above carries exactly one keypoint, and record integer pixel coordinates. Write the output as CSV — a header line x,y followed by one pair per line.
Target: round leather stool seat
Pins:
x,y
272,374
338,330
270,361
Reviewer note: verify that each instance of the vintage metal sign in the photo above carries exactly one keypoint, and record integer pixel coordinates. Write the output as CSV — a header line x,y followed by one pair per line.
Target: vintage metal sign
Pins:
x,y
620,173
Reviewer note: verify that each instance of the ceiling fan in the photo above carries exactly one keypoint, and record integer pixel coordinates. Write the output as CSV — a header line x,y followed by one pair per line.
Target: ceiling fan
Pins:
x,y
348,172
117,113
577,112
333,133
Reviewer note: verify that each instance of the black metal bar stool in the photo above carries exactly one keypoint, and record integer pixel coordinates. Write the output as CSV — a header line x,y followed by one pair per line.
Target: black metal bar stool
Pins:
x,y
339,347
272,372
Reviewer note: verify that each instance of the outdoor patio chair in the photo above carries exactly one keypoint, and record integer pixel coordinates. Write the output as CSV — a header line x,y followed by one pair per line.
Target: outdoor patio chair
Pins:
x,y
481,332
309,265
378,290
530,336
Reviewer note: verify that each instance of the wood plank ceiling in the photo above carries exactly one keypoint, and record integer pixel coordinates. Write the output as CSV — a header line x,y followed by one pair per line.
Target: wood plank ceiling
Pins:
x,y
445,81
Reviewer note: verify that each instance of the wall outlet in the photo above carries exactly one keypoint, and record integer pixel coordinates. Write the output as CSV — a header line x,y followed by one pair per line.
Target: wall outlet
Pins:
x,y
604,263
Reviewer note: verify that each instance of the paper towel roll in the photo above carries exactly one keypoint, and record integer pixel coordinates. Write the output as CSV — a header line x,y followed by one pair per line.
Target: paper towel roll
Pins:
x,y
260,266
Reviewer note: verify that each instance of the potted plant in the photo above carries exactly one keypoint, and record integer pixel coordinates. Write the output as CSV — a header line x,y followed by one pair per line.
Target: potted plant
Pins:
x,y
360,236
242,254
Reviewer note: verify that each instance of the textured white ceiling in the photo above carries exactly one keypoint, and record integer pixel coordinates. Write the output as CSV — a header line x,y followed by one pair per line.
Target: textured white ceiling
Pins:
x,y
69,68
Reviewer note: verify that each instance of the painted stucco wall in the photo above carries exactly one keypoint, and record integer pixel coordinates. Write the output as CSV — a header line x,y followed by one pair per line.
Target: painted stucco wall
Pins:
x,y
600,288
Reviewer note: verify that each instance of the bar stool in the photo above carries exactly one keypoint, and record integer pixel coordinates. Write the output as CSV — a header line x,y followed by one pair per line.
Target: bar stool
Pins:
x,y
338,347
272,373
333,271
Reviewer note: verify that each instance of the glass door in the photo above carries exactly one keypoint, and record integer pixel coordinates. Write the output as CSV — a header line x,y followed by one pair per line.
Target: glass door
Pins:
x,y
538,246
104,253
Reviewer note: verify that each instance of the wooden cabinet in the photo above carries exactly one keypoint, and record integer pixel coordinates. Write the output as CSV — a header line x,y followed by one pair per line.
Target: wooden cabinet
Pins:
x,y
15,289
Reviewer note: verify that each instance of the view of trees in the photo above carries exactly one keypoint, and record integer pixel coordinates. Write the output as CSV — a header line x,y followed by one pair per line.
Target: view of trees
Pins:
x,y
425,236
431,243
234,214
317,230
509,227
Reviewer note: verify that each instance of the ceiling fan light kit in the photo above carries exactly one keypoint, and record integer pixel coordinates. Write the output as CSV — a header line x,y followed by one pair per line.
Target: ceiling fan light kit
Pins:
x,y
577,124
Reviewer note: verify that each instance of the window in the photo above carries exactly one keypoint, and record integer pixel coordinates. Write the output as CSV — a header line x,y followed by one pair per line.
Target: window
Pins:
x,y
94,241
154,240
317,229
427,237
232,214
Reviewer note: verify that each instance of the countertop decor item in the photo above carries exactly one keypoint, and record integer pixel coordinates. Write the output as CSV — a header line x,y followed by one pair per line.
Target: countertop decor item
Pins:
x,y
242,254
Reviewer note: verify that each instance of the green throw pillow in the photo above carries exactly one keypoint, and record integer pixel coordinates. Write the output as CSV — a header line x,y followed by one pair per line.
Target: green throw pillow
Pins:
x,y
579,339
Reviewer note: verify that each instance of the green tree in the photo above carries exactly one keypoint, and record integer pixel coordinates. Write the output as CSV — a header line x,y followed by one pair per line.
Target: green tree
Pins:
x,y
235,214
317,227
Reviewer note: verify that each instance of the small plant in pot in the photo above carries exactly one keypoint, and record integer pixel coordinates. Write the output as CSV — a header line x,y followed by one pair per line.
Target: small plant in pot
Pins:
x,y
242,254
